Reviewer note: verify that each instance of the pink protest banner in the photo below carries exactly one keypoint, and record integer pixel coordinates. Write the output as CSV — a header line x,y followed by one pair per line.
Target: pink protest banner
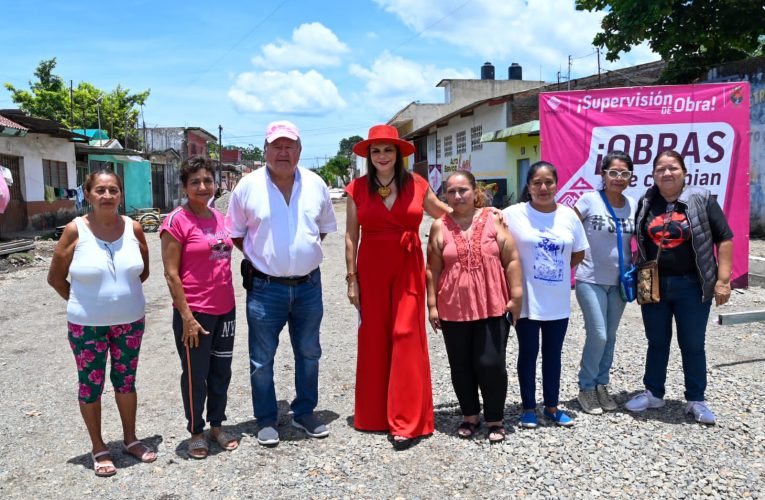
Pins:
x,y
707,124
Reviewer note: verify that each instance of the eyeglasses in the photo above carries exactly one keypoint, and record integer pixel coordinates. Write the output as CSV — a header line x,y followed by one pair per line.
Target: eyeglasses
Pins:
x,y
110,262
615,174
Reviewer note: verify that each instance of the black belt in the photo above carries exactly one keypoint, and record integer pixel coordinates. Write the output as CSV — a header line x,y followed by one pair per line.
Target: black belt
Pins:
x,y
289,281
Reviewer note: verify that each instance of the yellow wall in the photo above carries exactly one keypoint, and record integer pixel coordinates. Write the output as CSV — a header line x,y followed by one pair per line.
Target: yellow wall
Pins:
x,y
515,147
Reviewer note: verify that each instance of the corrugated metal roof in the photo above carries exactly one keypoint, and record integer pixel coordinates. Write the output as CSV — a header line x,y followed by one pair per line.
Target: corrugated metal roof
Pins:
x,y
504,134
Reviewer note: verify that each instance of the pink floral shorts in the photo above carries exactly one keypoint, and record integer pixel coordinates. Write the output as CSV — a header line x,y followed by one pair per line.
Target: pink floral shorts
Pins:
x,y
91,344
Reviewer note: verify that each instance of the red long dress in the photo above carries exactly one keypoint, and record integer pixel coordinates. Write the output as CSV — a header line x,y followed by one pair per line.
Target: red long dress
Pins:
x,y
393,389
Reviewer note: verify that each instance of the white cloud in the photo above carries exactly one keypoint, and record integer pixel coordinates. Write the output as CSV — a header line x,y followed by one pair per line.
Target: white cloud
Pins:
x,y
534,33
313,45
308,93
392,82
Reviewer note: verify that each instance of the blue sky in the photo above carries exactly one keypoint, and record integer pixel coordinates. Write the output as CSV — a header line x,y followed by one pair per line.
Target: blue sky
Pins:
x,y
333,67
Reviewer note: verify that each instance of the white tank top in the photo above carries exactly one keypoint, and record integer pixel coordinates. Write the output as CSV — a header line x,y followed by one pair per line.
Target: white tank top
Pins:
x,y
106,285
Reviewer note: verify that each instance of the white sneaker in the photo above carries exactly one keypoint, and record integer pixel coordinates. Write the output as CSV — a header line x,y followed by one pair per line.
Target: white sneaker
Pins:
x,y
701,412
643,401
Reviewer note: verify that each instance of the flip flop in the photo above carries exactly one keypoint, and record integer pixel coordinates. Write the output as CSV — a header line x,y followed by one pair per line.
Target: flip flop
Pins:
x,y
145,457
224,440
198,449
103,469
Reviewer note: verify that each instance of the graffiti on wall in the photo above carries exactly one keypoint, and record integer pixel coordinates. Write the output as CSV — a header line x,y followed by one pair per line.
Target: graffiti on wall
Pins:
x,y
458,163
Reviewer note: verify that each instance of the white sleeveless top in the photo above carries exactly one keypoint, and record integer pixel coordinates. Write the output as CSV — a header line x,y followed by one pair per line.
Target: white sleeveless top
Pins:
x,y
106,285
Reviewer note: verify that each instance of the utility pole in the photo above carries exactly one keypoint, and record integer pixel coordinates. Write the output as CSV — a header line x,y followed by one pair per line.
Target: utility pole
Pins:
x,y
220,152
98,110
71,104
597,50
569,72
127,113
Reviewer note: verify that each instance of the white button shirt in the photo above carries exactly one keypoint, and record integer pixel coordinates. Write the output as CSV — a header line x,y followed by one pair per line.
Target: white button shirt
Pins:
x,y
280,239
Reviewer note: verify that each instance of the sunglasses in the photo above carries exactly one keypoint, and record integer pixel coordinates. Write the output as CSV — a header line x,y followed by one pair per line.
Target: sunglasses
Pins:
x,y
616,174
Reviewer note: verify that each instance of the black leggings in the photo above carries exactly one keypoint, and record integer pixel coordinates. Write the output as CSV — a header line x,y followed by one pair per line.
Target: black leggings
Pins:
x,y
206,368
476,351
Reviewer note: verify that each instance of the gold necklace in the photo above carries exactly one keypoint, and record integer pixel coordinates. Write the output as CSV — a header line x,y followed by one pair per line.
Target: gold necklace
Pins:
x,y
384,190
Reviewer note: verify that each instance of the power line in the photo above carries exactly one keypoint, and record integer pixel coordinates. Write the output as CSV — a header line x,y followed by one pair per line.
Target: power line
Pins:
x,y
247,35
309,131
426,28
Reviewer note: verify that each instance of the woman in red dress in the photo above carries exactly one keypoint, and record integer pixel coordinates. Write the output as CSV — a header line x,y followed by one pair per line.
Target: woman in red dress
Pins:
x,y
386,283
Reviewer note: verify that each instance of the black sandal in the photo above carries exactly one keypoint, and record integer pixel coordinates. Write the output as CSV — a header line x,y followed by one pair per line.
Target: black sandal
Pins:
x,y
467,430
496,429
402,443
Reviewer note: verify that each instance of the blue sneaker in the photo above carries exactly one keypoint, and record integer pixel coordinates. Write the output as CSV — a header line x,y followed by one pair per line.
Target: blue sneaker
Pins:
x,y
529,419
559,417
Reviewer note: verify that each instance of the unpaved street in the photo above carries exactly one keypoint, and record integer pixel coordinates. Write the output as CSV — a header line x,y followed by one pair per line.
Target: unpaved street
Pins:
x,y
45,450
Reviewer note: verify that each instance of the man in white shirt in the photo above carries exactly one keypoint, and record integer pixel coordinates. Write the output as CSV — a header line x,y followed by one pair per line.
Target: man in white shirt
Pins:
x,y
278,216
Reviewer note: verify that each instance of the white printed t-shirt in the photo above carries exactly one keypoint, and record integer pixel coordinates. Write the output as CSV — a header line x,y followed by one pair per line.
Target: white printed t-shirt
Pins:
x,y
545,242
601,260
279,239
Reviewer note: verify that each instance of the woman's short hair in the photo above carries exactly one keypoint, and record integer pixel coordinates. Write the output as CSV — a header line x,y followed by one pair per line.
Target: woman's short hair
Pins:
x,y
479,199
91,179
193,165
616,155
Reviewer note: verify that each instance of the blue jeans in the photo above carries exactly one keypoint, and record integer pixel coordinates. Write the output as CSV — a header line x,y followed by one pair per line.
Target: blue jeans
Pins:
x,y
681,299
553,333
269,307
602,308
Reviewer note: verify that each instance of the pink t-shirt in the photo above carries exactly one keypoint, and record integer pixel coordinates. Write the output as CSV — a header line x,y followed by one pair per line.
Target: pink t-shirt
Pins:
x,y
205,260
472,285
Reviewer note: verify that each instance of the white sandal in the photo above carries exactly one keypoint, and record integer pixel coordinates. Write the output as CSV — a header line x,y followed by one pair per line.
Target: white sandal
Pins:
x,y
99,466
142,458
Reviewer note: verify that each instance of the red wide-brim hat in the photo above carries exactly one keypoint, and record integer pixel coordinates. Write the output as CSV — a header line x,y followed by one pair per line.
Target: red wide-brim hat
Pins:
x,y
383,133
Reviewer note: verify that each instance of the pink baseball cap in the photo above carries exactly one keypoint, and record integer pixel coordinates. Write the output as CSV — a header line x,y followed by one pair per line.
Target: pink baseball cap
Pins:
x,y
282,128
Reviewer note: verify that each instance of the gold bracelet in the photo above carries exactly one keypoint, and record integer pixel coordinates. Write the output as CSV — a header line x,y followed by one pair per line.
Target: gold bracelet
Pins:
x,y
349,276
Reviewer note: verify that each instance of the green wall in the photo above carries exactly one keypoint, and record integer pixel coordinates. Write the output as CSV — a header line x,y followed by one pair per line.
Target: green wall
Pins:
x,y
519,147
137,179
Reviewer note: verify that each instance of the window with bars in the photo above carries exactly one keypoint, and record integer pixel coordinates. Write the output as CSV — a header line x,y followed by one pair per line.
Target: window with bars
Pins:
x,y
448,145
438,148
54,174
461,142
475,137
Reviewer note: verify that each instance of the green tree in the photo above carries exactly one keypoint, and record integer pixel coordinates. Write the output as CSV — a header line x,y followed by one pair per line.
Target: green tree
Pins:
x,y
691,36
251,152
337,168
48,97
346,145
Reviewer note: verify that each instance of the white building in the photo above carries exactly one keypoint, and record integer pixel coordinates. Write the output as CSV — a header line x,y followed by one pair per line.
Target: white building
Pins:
x,y
39,153
447,136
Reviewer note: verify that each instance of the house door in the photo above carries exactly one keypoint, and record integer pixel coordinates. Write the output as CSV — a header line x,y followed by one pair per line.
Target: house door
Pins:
x,y
158,186
15,216
523,171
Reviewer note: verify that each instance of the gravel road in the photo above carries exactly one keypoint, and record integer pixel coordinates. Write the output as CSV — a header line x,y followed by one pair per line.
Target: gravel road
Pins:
x,y
45,449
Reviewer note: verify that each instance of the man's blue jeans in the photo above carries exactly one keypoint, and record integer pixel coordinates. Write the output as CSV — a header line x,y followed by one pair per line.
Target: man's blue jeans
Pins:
x,y
269,307
602,308
681,299
553,333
